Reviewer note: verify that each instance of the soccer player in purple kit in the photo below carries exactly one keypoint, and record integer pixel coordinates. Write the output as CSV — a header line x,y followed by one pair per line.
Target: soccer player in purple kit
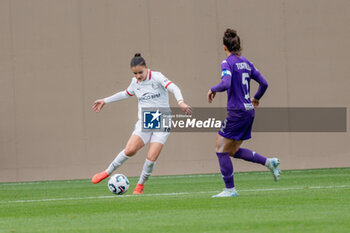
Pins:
x,y
236,74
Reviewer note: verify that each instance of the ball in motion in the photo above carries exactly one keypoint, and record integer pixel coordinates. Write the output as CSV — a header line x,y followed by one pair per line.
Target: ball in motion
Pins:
x,y
118,184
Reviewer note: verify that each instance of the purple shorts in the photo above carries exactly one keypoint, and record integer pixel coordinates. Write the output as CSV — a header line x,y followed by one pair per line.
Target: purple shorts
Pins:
x,y
237,125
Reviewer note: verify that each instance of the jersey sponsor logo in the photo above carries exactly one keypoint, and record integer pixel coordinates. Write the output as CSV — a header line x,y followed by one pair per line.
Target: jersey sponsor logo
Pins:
x,y
225,72
149,95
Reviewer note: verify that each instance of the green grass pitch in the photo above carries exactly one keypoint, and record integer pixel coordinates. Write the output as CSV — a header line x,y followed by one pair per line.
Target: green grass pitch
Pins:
x,y
302,201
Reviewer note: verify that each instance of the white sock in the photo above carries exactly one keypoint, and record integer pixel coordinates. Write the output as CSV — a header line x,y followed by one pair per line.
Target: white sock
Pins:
x,y
147,170
267,163
119,160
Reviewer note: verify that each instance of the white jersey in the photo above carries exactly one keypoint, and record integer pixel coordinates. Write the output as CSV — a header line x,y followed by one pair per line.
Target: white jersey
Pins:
x,y
152,92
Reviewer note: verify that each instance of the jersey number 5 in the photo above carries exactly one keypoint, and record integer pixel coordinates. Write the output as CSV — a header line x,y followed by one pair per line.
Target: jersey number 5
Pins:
x,y
245,77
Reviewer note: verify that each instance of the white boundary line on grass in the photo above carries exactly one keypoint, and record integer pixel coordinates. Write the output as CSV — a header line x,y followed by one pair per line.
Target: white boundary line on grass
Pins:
x,y
173,194
189,175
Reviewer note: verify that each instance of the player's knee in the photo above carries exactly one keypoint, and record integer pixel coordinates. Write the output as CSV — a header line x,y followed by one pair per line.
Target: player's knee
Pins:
x,y
152,159
233,151
130,151
218,149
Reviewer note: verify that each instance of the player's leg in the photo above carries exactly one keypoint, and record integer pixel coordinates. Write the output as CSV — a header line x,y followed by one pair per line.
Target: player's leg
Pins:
x,y
249,155
224,147
252,156
242,128
134,144
158,140
153,152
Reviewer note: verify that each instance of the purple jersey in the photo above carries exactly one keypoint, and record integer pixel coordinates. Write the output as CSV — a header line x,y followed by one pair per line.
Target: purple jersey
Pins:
x,y
236,73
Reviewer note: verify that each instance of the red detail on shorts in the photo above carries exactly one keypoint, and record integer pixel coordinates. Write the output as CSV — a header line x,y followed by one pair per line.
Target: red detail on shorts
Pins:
x,y
128,92
168,84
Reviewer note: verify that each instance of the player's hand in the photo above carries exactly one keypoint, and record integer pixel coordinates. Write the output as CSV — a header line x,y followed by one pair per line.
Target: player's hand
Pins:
x,y
98,105
211,96
255,102
185,108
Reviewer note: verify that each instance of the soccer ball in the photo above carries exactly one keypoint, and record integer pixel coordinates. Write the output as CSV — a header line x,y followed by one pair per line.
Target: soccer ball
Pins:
x,y
118,184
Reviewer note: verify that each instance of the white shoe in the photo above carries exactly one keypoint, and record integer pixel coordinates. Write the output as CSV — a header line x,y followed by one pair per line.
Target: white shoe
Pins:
x,y
273,164
227,193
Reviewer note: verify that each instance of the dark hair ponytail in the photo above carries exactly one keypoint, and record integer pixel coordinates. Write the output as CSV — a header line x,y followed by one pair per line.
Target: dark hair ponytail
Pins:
x,y
232,41
137,60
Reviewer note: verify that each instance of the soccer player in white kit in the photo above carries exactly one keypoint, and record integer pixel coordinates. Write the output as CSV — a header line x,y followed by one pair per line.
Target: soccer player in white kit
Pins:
x,y
151,89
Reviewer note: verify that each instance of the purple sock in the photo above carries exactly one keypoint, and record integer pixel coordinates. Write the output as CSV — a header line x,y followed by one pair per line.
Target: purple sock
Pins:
x,y
251,156
226,169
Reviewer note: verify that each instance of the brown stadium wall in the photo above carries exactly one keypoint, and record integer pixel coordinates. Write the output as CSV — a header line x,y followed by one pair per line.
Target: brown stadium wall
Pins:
x,y
58,56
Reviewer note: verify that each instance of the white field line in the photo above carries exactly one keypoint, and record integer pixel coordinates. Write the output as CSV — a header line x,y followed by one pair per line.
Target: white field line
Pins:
x,y
82,180
188,176
173,194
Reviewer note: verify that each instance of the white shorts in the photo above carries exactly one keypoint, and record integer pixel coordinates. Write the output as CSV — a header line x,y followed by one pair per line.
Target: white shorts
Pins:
x,y
147,137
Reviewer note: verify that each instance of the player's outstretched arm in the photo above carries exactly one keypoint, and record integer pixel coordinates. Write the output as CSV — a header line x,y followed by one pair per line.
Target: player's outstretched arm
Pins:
x,y
98,105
